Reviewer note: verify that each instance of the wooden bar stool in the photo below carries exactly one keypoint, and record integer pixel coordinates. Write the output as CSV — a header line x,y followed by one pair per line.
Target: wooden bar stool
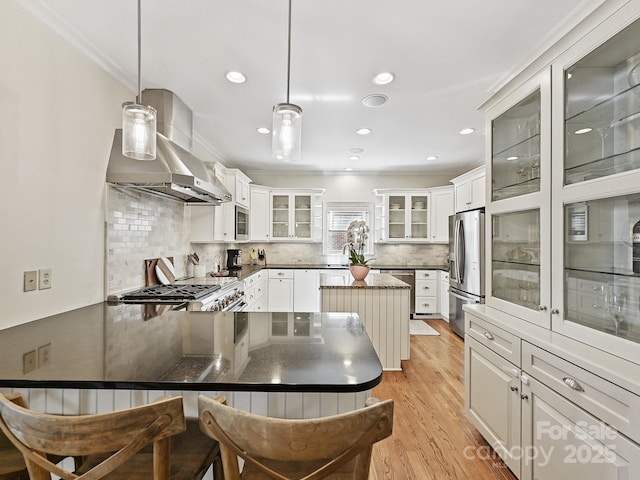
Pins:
x,y
153,441
338,446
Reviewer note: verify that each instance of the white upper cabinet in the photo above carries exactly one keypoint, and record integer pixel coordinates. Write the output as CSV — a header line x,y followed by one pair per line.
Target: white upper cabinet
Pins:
x,y
561,233
294,216
518,208
259,215
238,183
408,216
596,187
470,189
442,206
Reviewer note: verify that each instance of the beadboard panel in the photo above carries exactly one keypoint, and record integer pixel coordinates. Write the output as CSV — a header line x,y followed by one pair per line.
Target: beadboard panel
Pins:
x,y
273,404
385,315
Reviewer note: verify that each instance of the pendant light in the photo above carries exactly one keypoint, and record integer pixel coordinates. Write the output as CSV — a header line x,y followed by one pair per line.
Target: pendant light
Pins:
x,y
287,120
138,121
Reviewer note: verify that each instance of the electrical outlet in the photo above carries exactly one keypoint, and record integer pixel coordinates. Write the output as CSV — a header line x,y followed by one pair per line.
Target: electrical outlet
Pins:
x,y
45,278
44,355
29,362
30,280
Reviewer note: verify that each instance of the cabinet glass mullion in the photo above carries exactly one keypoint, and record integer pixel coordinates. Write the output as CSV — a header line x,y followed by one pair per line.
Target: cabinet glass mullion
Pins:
x,y
515,257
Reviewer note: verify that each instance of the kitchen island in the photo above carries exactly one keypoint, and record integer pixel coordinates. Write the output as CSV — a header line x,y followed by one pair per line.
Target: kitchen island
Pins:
x,y
382,303
104,357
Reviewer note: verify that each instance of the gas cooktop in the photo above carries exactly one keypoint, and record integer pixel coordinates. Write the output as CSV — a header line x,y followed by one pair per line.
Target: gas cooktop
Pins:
x,y
168,293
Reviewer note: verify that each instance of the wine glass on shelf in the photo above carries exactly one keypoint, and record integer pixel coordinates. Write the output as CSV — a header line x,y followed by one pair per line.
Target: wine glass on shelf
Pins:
x,y
616,301
603,130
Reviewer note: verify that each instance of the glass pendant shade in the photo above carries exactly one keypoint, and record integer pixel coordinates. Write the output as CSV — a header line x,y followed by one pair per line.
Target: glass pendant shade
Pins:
x,y
286,132
138,131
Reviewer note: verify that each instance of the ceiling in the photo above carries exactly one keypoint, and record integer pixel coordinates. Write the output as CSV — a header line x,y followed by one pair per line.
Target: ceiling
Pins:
x,y
447,57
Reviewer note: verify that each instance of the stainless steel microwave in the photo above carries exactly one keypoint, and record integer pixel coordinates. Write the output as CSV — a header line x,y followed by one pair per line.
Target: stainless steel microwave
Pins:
x,y
242,223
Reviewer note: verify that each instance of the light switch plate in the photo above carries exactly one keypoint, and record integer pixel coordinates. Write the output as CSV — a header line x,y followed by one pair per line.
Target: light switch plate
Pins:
x,y
29,360
30,280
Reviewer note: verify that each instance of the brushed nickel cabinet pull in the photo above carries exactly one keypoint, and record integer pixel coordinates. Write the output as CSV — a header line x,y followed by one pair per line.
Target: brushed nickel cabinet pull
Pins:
x,y
488,336
513,389
524,396
572,383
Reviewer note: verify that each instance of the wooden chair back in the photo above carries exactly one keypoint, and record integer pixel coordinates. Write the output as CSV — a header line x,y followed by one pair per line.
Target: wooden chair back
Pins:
x,y
285,449
125,432
12,466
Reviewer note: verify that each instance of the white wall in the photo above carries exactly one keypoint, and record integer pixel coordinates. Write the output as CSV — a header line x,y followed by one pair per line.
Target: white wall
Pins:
x,y
58,112
348,187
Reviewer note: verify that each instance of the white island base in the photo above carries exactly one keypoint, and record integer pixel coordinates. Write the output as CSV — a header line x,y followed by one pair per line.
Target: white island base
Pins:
x,y
382,302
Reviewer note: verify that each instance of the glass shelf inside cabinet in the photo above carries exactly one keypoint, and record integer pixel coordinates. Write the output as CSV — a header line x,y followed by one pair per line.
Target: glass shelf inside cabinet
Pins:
x,y
602,110
602,285
515,258
516,149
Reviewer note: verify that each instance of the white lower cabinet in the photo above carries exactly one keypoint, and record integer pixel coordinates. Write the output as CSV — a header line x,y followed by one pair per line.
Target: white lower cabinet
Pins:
x,y
492,400
254,292
426,294
444,295
561,440
546,417
280,290
306,290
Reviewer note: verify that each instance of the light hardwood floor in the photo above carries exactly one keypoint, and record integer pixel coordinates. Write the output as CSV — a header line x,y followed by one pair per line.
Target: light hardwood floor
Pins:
x,y
432,439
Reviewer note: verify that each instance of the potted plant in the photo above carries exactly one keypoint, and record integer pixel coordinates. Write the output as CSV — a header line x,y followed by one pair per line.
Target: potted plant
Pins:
x,y
357,239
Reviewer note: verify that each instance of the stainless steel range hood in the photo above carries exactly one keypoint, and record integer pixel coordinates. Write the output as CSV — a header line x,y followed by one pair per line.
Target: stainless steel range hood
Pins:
x,y
175,172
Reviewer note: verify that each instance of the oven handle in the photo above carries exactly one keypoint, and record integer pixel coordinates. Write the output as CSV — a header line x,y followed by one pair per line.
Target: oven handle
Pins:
x,y
233,306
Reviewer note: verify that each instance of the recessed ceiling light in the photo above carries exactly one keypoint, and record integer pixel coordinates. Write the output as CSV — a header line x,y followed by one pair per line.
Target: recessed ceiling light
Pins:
x,y
363,131
236,77
467,131
432,157
375,100
356,150
263,130
348,169
383,78
354,157
582,130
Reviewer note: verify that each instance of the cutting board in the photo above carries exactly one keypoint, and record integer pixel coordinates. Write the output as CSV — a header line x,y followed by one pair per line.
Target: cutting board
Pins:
x,y
160,270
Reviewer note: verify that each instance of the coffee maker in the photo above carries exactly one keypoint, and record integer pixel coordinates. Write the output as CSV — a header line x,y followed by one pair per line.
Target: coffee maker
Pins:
x,y
234,259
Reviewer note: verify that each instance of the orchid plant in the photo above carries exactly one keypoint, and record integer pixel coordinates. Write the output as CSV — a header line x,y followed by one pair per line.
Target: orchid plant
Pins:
x,y
357,234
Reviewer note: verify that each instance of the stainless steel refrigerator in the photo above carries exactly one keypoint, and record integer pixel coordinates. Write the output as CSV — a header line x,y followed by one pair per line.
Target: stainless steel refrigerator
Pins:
x,y
466,265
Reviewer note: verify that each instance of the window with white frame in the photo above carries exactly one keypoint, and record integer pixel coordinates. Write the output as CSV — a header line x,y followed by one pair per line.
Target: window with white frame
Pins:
x,y
338,216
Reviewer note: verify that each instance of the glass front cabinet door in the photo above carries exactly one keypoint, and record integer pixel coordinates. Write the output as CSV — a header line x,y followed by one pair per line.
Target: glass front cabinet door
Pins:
x,y
518,260
291,216
408,217
596,190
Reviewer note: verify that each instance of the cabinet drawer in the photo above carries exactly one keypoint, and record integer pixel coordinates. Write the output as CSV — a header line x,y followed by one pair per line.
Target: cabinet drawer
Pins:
x,y
426,304
280,273
610,403
590,286
500,341
426,275
426,288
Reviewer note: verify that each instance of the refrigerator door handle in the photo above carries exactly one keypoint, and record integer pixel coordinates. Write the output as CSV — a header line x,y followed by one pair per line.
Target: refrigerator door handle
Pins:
x,y
467,299
460,253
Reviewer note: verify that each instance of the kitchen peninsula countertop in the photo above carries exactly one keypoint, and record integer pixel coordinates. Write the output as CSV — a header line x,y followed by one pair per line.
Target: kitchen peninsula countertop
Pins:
x,y
373,280
155,348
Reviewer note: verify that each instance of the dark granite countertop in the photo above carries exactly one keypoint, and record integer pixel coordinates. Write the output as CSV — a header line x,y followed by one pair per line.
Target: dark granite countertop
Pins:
x,y
151,347
373,280
248,270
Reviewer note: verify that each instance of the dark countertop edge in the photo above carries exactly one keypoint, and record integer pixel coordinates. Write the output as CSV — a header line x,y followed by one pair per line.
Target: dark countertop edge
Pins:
x,y
248,270
208,387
